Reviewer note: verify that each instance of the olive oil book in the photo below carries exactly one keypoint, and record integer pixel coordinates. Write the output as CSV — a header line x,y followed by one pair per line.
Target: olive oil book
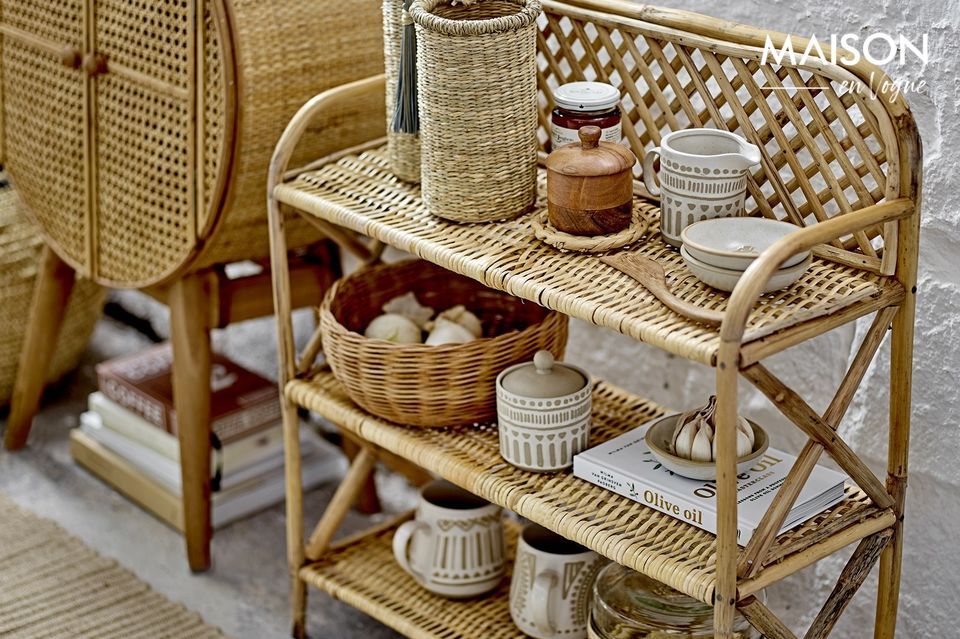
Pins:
x,y
626,466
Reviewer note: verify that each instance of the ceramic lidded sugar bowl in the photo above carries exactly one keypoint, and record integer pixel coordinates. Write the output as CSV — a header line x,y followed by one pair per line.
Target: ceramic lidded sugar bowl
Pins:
x,y
590,186
543,411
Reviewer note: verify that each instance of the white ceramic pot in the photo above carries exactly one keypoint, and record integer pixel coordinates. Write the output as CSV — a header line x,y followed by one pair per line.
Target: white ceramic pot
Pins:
x,y
703,175
543,421
455,546
552,581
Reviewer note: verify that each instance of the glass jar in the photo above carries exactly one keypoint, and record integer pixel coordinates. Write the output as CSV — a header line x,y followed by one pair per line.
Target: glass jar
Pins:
x,y
580,104
629,605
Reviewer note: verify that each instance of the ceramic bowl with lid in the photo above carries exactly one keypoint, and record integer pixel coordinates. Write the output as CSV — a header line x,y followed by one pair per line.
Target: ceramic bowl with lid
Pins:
x,y
543,413
735,242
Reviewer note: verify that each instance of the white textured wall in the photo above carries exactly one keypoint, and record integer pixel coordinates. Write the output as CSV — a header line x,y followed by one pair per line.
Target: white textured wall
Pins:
x,y
931,581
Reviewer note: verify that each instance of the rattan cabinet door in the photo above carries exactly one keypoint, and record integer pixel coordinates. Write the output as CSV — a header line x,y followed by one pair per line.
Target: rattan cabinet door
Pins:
x,y
43,118
144,138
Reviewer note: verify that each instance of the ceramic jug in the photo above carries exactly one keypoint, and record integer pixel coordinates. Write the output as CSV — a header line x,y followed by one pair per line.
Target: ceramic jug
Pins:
x,y
703,175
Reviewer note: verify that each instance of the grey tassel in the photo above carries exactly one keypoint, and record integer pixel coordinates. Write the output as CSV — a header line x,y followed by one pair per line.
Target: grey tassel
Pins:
x,y
405,117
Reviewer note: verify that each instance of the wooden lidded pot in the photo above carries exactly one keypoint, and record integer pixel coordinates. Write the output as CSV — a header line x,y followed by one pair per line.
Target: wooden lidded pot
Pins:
x,y
590,186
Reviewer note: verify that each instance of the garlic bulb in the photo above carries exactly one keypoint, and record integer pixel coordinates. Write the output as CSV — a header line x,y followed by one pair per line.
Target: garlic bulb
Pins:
x,y
409,306
445,331
693,436
394,328
460,315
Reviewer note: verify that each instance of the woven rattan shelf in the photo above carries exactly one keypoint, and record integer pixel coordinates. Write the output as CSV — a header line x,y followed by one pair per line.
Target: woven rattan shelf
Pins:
x,y
360,192
661,546
363,573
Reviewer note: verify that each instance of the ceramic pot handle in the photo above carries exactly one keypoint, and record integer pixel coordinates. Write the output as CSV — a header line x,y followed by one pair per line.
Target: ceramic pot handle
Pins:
x,y
648,173
401,545
542,585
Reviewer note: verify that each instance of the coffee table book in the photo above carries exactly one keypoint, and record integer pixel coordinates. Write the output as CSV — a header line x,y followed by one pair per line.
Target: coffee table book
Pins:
x,y
626,466
325,463
240,400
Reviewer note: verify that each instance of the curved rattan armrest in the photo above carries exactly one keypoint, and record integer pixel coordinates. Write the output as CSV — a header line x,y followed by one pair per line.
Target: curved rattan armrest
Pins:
x,y
329,100
748,289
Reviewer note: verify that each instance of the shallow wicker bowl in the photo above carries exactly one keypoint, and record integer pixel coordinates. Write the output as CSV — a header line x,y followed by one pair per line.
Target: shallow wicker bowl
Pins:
x,y
658,440
430,386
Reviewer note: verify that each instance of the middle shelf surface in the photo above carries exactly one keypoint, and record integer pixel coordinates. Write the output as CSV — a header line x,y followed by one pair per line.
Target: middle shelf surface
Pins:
x,y
662,547
360,193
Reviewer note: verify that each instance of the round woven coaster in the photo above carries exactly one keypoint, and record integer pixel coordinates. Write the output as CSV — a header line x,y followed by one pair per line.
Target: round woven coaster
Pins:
x,y
546,232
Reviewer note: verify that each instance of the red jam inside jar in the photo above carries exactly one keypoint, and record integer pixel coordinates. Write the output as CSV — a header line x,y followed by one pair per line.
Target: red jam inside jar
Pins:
x,y
580,104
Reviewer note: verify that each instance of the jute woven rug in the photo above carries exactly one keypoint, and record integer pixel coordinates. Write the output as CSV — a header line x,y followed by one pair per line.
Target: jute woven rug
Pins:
x,y
54,586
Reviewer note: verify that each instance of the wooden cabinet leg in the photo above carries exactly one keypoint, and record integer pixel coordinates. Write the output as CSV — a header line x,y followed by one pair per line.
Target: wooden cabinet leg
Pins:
x,y
368,502
54,283
190,334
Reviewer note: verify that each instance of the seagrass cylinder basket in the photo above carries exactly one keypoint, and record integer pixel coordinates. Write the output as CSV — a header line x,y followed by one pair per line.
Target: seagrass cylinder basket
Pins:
x,y
20,247
422,385
477,94
139,132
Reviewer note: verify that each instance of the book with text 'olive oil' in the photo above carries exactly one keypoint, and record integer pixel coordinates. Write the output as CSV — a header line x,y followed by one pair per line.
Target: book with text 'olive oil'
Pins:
x,y
626,466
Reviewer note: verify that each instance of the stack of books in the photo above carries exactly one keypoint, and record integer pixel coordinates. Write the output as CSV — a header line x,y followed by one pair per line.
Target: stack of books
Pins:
x,y
128,438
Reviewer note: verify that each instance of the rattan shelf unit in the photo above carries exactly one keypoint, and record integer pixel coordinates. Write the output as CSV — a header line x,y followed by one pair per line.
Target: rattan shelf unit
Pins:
x,y
840,158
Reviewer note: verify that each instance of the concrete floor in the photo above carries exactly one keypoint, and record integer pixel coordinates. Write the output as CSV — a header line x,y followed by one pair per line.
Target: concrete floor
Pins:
x,y
245,593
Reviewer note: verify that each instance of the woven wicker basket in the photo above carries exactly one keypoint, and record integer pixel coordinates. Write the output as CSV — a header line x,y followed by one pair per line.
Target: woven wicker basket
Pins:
x,y
403,149
179,124
477,91
20,246
423,385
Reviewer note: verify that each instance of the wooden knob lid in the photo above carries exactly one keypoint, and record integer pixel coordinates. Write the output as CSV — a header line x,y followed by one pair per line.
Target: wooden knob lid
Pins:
x,y
592,157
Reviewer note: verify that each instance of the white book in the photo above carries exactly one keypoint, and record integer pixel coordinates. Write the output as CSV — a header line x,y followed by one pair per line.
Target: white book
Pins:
x,y
322,464
166,471
626,466
235,455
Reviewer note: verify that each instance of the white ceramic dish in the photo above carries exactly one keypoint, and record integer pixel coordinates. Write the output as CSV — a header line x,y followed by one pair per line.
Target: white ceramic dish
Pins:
x,y
658,440
735,242
726,279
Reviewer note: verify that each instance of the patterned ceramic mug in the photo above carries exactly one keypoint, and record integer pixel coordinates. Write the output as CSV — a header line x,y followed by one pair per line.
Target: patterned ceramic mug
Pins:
x,y
703,175
551,586
455,546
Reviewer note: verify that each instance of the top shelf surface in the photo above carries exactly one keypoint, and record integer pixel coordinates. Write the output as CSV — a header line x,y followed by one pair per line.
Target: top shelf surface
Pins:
x,y
360,193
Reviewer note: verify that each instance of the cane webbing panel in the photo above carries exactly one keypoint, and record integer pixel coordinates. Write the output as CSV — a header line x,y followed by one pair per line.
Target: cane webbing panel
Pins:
x,y
360,193
639,537
365,575
56,20
44,141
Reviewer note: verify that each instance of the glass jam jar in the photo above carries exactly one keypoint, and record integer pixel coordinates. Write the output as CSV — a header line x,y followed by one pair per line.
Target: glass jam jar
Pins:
x,y
580,104
629,605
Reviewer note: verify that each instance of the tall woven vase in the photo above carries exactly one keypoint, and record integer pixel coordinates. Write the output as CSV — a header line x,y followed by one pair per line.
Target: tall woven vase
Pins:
x,y
403,149
477,92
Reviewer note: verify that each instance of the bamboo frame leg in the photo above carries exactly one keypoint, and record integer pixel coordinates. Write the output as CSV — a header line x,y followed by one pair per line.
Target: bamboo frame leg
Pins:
x,y
190,334
901,380
725,595
294,511
54,283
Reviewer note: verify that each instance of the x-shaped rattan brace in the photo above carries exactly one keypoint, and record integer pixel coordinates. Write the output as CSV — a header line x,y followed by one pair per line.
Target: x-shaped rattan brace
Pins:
x,y
822,433
851,578
342,500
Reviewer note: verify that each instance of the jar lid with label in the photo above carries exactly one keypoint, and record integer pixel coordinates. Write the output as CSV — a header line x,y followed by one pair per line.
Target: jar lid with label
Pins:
x,y
586,96
543,378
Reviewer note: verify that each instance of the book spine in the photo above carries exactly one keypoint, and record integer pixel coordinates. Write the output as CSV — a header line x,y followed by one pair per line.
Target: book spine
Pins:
x,y
653,497
131,398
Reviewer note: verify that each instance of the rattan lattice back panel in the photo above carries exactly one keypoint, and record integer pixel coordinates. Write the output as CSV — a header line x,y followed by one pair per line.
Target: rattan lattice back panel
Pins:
x,y
184,121
824,147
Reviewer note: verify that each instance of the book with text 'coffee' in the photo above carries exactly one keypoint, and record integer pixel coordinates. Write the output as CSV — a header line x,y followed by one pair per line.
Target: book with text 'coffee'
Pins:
x,y
626,466
241,402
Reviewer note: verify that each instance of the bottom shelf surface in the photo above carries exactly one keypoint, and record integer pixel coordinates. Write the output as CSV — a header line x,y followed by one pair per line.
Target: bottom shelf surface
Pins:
x,y
363,574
